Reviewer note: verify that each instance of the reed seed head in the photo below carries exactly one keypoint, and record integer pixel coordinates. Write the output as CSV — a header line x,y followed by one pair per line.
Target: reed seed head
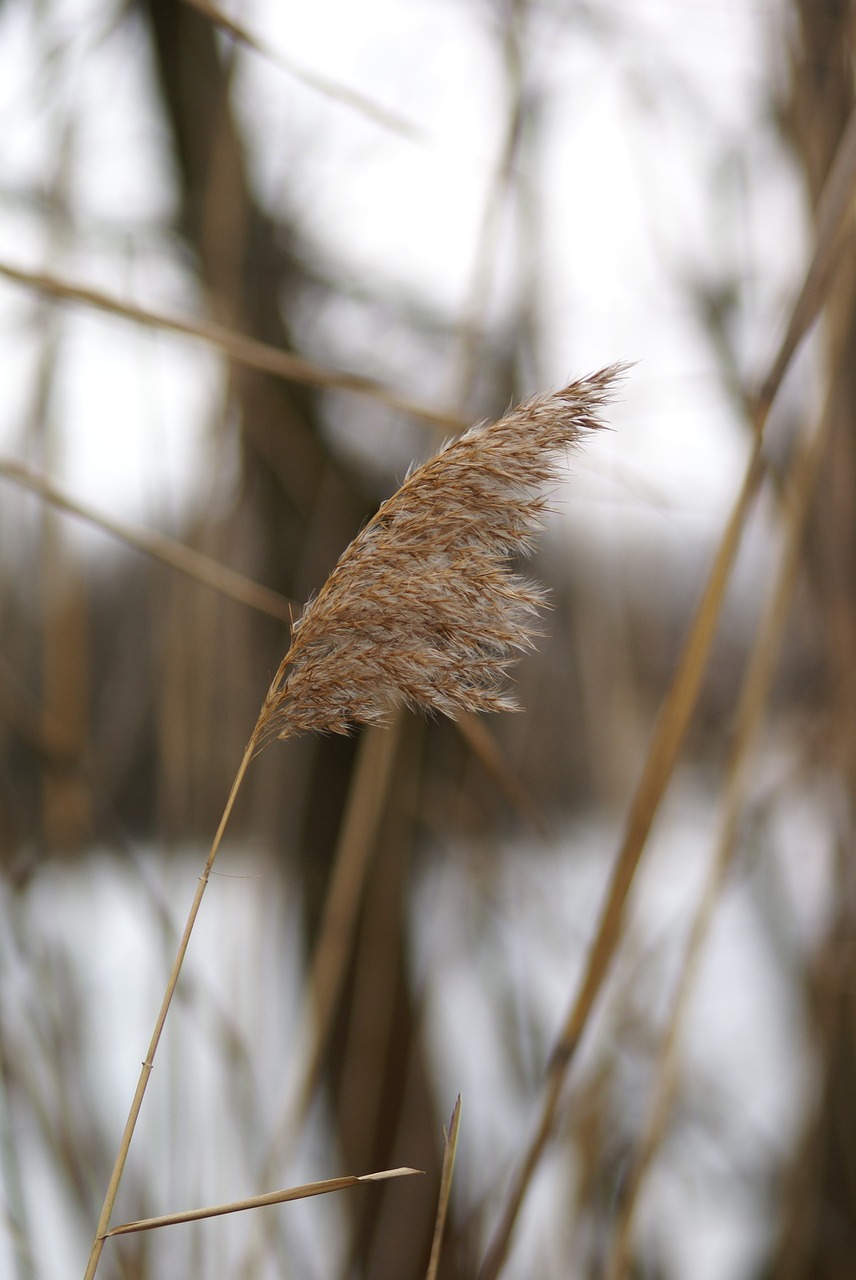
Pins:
x,y
423,607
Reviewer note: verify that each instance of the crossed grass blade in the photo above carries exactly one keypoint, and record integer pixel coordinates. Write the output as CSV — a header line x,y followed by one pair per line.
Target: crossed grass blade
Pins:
x,y
303,1192
159,546
241,348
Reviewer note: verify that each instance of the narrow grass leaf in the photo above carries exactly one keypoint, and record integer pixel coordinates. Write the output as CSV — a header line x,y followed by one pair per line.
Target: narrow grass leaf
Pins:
x,y
833,224
260,1202
238,346
159,546
324,85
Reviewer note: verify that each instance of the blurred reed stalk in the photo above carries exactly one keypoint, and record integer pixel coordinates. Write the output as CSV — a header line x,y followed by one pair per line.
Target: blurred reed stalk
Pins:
x,y
679,703
754,695
422,610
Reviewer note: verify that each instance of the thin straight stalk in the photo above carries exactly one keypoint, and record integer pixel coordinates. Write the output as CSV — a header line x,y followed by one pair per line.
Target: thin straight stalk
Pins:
x,y
145,1074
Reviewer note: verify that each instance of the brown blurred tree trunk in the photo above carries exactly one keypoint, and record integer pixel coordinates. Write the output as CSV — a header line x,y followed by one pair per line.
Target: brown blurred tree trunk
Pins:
x,y
296,511
818,1233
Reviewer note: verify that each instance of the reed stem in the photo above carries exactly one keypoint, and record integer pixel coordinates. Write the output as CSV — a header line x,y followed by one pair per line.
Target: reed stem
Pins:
x,y
148,1064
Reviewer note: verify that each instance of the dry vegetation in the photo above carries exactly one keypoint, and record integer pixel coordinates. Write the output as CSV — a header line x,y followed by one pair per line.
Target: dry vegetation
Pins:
x,y
404,912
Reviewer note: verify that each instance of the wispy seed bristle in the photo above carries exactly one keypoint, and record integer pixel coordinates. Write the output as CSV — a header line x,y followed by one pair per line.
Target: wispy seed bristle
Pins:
x,y
423,607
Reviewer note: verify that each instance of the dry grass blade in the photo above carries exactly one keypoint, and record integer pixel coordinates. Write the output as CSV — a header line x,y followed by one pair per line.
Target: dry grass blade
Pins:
x,y
485,748
834,213
355,847
451,1147
260,1202
177,555
422,608
239,347
753,699
494,208
328,968
321,84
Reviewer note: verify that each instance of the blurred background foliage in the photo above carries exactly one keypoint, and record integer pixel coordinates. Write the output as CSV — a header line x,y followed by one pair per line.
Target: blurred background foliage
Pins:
x,y
254,261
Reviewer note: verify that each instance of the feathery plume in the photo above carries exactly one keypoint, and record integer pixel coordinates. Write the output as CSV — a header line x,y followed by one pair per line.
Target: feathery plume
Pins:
x,y
423,607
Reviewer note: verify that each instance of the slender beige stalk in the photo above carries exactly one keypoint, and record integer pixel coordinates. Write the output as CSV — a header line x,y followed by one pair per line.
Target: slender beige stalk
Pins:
x,y
355,849
237,346
486,750
177,555
102,1230
832,225
303,1192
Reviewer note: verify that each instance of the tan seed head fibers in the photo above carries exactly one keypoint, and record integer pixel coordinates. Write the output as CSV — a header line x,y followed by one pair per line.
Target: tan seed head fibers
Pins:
x,y
423,607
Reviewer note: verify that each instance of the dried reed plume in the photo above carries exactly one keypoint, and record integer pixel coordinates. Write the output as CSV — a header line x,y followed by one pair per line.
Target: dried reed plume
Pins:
x,y
422,607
